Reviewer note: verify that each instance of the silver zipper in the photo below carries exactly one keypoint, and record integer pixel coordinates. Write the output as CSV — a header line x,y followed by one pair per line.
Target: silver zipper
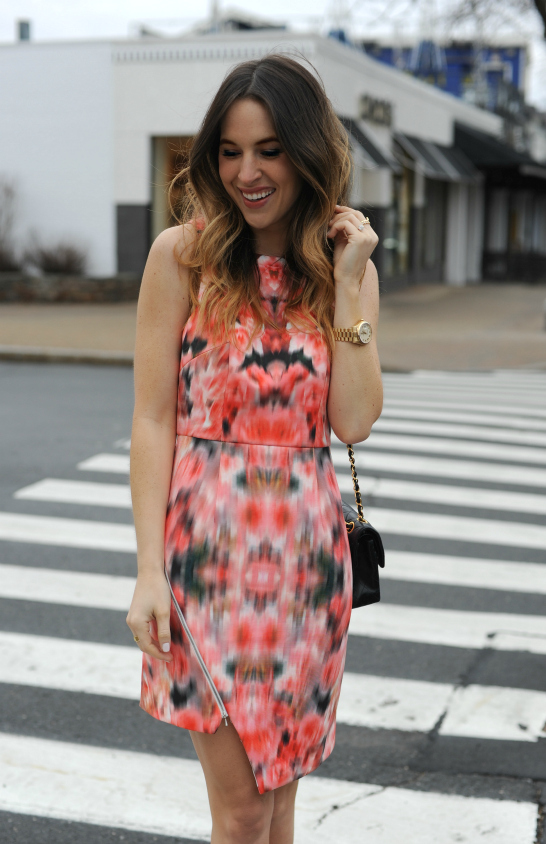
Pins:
x,y
200,659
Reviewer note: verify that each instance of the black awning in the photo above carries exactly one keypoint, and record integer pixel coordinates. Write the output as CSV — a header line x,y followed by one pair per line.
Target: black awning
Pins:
x,y
437,161
378,157
487,151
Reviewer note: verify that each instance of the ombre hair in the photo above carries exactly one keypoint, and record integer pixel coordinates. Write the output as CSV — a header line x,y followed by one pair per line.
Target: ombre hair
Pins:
x,y
223,255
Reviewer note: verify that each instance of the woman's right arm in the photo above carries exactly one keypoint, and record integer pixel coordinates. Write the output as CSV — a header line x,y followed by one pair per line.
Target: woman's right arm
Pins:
x,y
163,308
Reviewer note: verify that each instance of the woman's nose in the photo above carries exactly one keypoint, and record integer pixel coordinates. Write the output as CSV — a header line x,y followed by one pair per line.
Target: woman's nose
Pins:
x,y
249,170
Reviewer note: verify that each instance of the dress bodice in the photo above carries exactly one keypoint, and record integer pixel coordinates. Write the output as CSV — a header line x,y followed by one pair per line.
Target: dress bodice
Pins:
x,y
273,392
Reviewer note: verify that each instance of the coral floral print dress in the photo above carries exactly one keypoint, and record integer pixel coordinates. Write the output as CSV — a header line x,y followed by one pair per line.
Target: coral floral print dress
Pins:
x,y
256,548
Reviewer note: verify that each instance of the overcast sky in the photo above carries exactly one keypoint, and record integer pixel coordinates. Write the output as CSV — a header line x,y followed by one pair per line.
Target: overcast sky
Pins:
x,y
69,19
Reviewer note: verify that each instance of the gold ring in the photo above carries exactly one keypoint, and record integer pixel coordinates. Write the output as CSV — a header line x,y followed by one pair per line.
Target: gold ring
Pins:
x,y
136,638
364,222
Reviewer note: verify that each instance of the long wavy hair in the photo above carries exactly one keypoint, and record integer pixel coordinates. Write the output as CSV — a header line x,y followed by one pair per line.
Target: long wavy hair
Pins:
x,y
224,255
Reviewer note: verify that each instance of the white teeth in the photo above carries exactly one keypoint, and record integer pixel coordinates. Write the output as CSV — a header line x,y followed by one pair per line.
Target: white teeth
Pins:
x,y
261,195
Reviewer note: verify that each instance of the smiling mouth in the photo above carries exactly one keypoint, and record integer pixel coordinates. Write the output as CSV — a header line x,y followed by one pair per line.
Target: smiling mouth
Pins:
x,y
255,197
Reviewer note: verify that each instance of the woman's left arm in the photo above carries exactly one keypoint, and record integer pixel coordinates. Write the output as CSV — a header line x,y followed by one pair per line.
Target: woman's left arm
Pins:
x,y
355,398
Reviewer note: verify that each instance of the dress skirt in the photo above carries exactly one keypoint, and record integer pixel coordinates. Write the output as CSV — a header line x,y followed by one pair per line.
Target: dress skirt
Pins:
x,y
257,555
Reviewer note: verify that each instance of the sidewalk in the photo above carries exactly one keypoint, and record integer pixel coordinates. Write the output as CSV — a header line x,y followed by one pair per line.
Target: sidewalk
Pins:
x,y
485,326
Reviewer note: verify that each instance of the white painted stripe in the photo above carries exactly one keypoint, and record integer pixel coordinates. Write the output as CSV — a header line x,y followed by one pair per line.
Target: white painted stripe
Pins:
x,y
491,712
119,495
452,628
465,571
402,463
76,533
389,703
454,374
366,700
469,406
495,421
467,448
462,528
72,533
115,463
472,432
531,384
456,496
70,665
77,492
126,790
525,397
407,464
486,712
70,588
112,592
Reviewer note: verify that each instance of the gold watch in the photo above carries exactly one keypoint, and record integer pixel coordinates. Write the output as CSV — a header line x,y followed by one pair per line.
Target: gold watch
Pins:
x,y
360,333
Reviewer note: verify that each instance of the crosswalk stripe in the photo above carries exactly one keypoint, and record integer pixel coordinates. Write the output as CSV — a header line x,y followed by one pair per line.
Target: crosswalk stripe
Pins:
x,y
70,665
461,528
494,421
77,492
469,470
453,628
464,392
70,588
458,496
125,789
470,572
470,432
116,463
383,460
113,592
119,495
72,533
467,448
77,533
366,700
468,406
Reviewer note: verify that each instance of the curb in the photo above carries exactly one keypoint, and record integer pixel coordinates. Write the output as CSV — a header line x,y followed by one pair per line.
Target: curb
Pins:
x,y
43,354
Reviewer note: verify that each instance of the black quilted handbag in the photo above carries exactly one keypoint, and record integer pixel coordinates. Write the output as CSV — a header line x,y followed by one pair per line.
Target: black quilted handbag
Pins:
x,y
367,553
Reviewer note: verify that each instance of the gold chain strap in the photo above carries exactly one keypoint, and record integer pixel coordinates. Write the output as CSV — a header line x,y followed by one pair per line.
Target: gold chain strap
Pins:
x,y
356,488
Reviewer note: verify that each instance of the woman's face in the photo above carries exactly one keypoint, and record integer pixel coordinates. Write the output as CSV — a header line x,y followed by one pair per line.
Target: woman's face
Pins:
x,y
254,169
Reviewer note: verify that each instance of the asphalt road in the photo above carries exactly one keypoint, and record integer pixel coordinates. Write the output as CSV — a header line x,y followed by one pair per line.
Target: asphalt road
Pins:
x,y
441,729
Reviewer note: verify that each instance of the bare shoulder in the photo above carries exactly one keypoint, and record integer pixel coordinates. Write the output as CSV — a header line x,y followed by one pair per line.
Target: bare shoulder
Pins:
x,y
170,248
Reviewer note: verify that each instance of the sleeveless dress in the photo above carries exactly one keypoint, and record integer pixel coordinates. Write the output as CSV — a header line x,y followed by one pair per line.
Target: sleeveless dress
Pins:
x,y
256,547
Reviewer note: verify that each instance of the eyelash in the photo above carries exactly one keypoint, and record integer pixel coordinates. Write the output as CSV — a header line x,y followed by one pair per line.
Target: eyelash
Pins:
x,y
268,153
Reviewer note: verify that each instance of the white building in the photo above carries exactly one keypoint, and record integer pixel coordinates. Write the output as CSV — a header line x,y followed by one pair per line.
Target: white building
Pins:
x,y
89,130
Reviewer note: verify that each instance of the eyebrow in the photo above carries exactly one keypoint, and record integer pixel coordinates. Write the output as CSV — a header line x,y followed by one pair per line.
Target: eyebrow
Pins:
x,y
264,141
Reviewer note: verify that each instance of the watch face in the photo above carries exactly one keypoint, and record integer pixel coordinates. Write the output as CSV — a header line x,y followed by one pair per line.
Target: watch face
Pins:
x,y
365,332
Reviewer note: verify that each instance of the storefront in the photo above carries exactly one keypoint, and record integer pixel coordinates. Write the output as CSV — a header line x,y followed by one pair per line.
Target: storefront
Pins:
x,y
515,208
114,120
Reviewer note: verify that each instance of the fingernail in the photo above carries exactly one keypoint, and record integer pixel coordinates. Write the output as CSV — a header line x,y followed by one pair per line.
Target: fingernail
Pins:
x,y
166,646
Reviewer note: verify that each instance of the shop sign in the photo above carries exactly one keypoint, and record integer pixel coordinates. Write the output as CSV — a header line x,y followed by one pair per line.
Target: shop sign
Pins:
x,y
376,111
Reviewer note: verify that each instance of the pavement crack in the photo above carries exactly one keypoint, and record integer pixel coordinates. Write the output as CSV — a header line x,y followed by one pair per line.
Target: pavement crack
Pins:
x,y
345,804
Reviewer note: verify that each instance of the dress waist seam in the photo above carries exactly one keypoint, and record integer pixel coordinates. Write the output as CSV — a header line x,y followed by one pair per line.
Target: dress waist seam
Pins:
x,y
239,442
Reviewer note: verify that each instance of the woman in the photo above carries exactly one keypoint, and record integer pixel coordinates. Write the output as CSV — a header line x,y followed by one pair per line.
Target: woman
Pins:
x,y
238,373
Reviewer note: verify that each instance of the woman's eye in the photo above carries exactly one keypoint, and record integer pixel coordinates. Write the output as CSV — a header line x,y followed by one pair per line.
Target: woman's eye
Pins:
x,y
229,153
271,153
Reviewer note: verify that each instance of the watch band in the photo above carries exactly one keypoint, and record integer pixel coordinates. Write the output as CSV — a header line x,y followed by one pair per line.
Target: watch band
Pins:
x,y
347,334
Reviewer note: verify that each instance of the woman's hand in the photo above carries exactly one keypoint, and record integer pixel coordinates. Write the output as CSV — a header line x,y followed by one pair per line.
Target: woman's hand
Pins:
x,y
149,614
352,247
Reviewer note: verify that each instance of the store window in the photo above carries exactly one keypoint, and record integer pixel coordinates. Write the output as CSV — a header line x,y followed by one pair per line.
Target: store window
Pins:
x,y
397,226
497,221
169,156
433,243
521,222
539,226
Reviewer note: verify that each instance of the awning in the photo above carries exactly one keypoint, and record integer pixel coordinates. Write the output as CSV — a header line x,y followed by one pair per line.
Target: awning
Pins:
x,y
374,156
487,152
436,161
